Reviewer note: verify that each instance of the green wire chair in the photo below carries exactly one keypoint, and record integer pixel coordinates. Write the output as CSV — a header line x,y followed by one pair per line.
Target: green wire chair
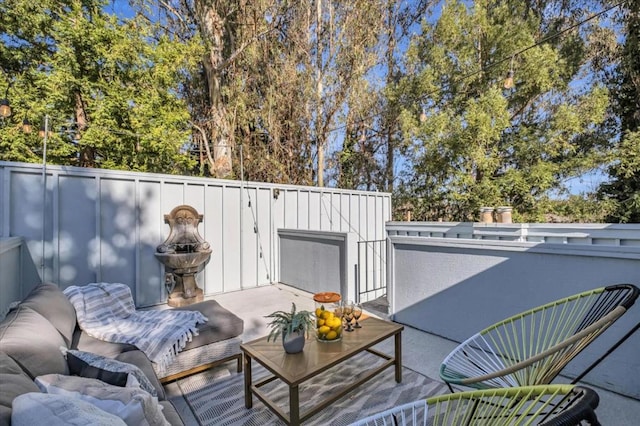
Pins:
x,y
546,405
531,348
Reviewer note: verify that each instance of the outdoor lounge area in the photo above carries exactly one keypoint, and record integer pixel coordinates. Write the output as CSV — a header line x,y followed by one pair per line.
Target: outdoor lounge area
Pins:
x,y
422,357
437,284
319,212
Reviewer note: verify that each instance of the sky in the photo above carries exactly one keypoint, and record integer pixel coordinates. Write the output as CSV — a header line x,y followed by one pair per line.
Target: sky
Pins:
x,y
120,8
588,182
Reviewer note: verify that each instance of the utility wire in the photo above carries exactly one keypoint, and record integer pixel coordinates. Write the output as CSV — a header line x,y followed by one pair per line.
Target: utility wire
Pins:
x,y
552,36
256,229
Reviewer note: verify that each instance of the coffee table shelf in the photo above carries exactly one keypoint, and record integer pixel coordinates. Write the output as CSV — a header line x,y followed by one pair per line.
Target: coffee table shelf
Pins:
x,y
317,357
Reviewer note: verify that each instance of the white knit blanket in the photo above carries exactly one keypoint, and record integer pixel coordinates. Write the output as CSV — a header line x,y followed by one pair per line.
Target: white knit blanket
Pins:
x,y
106,311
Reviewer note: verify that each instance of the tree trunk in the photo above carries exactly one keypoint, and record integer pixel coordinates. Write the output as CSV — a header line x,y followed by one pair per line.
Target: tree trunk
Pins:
x,y
389,121
87,153
213,28
319,136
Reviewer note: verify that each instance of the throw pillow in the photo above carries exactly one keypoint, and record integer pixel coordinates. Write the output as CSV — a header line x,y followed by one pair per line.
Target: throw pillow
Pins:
x,y
49,301
117,373
36,408
133,405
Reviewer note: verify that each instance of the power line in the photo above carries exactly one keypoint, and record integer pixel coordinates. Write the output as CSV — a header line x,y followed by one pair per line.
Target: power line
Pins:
x,y
558,34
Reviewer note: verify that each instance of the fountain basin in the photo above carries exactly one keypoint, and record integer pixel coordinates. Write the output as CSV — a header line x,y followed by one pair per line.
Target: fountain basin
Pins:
x,y
185,262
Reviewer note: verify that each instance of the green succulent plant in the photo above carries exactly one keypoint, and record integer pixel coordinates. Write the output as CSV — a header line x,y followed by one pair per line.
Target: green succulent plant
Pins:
x,y
289,322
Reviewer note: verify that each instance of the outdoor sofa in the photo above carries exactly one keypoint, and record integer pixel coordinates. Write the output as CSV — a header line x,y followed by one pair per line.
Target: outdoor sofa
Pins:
x,y
35,333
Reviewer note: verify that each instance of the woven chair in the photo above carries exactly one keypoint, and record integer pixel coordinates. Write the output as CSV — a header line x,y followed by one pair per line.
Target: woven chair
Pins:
x,y
546,405
531,348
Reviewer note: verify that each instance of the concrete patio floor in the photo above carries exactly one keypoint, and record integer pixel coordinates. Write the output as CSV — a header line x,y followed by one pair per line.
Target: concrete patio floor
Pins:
x,y
422,352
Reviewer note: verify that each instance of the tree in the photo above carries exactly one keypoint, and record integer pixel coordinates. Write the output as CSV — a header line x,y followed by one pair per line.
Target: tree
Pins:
x,y
329,47
277,78
108,88
624,186
269,97
373,139
227,30
476,144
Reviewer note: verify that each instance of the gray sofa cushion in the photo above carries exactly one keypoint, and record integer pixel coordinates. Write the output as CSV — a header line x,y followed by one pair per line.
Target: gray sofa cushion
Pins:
x,y
50,302
13,382
221,325
31,340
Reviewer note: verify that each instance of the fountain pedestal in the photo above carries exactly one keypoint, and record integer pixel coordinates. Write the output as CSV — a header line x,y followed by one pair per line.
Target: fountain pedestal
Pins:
x,y
183,289
184,254
180,282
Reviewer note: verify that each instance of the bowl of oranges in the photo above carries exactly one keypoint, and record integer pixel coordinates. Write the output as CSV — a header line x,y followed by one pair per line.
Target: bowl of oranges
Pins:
x,y
328,317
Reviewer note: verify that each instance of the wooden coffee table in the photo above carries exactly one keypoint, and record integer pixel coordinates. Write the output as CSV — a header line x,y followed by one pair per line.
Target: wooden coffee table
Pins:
x,y
317,357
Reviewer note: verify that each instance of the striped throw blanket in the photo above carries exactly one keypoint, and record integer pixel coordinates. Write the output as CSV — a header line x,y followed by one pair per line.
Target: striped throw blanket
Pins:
x,y
106,311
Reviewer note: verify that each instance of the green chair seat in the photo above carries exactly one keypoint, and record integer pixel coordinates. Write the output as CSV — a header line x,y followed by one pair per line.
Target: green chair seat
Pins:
x,y
546,405
531,348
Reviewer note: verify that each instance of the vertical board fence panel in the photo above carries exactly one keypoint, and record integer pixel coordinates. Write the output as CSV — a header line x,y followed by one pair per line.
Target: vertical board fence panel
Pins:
x,y
303,209
249,238
262,214
231,231
213,235
150,227
342,210
315,204
75,230
291,212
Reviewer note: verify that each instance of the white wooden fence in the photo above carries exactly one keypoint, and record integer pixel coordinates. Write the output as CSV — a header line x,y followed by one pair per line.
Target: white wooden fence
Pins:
x,y
607,234
101,225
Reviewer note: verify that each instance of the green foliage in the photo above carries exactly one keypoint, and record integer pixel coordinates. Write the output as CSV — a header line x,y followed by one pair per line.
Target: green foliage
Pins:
x,y
109,88
289,322
624,189
158,92
583,208
480,145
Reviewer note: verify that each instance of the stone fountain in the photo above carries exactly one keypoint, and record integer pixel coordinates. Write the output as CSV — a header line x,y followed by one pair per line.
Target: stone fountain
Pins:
x,y
184,253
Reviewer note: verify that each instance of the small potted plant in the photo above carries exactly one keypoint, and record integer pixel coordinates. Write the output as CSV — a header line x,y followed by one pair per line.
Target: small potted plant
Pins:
x,y
292,326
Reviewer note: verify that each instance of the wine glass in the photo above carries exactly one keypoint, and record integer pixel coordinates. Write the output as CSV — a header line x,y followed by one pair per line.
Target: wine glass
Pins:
x,y
357,313
347,312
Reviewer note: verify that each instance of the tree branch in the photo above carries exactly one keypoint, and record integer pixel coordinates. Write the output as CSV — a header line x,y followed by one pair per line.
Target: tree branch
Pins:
x,y
203,133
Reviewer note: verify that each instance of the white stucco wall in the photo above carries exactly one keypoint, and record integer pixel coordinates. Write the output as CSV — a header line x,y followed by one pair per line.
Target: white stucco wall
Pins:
x,y
318,261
